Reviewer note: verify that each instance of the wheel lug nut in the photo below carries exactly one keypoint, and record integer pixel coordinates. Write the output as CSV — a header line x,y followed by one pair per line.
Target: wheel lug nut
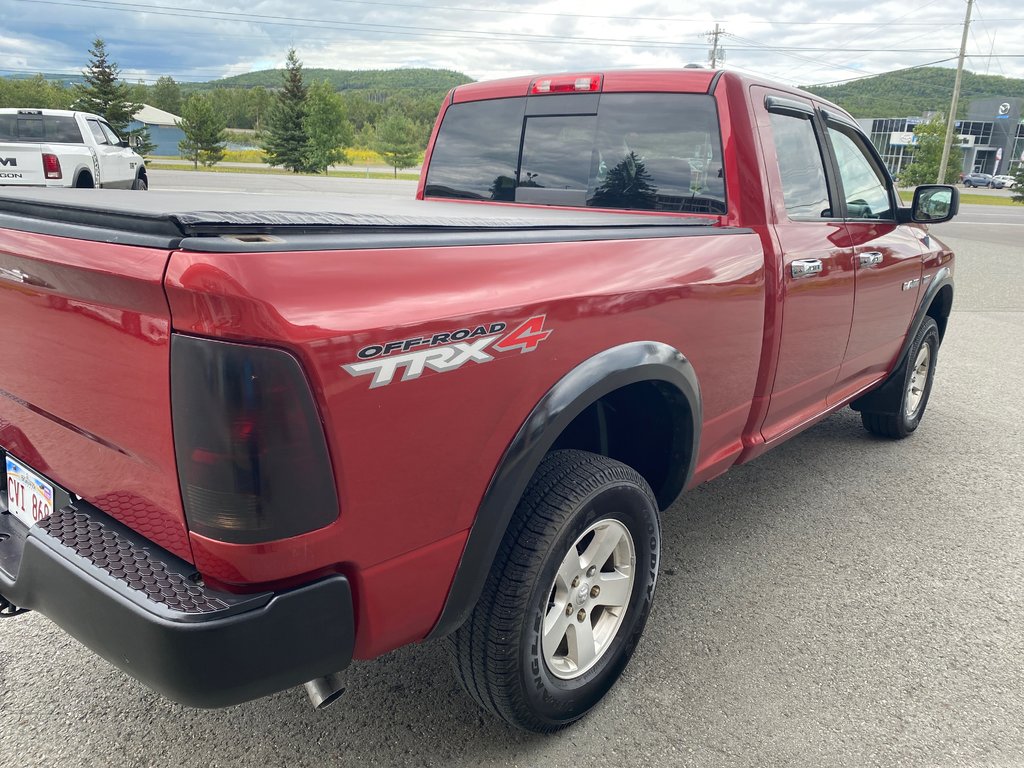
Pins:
x,y
591,571
576,582
595,591
581,615
568,610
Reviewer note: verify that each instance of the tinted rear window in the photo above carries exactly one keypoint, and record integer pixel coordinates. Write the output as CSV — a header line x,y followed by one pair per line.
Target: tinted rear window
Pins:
x,y
638,151
59,129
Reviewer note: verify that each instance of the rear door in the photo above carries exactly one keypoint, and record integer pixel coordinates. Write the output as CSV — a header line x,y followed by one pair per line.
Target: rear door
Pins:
x,y
888,261
818,260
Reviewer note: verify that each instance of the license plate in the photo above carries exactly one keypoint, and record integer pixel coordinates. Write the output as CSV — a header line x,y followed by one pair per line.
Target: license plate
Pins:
x,y
29,497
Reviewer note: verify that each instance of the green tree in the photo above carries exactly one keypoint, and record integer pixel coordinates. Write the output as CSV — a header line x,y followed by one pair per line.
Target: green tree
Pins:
x,y
286,138
34,92
1018,188
103,93
328,130
924,167
397,141
204,131
166,95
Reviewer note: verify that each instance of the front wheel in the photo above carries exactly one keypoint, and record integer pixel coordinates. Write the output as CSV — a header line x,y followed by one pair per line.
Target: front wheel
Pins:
x,y
140,183
901,418
567,597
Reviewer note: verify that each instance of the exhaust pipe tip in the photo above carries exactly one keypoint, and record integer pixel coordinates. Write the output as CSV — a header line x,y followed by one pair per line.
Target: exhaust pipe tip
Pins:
x,y
324,691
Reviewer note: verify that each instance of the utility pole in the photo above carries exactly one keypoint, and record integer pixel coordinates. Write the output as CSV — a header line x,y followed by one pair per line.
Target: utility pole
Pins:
x,y
951,122
714,55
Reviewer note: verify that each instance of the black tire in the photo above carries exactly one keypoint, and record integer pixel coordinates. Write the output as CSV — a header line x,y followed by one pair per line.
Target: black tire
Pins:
x,y
84,181
899,420
140,183
498,653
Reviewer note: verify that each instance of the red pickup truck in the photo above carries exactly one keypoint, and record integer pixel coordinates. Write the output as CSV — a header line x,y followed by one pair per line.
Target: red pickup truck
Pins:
x,y
248,440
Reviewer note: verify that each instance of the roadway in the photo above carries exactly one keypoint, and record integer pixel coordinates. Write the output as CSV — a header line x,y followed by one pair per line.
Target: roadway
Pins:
x,y
841,601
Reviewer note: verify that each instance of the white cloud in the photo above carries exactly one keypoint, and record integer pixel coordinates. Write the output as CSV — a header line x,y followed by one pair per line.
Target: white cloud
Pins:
x,y
797,41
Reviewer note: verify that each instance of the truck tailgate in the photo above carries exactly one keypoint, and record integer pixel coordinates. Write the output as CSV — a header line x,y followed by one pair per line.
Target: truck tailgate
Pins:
x,y
21,164
84,378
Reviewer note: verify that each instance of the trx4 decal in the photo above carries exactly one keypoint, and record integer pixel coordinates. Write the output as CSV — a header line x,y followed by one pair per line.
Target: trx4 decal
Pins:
x,y
444,352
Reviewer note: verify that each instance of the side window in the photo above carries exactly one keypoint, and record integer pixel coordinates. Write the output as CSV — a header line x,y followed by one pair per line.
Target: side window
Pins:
x,y
804,188
112,138
865,185
97,132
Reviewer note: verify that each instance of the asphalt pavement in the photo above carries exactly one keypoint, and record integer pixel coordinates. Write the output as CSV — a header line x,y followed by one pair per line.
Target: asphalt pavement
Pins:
x,y
841,601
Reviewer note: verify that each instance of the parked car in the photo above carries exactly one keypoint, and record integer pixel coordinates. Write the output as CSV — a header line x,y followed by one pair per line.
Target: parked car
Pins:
x,y
982,180
59,148
356,423
1008,182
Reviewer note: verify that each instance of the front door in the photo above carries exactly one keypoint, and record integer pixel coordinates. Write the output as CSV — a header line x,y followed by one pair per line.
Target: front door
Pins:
x,y
888,263
817,262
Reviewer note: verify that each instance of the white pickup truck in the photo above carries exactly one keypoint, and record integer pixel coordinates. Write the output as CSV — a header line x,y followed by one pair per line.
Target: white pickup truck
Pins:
x,y
58,148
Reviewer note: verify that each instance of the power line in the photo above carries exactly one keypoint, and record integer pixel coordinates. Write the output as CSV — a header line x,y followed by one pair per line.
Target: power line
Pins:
x,y
418,31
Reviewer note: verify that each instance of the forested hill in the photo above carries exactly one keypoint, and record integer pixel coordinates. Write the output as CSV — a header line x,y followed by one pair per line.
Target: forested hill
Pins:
x,y
913,92
386,80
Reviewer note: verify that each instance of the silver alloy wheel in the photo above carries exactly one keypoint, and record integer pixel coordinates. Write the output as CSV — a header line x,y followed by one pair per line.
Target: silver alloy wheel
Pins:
x,y
588,599
918,381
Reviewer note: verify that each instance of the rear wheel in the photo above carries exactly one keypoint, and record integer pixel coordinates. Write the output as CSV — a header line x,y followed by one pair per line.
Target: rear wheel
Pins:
x,y
567,597
84,181
902,417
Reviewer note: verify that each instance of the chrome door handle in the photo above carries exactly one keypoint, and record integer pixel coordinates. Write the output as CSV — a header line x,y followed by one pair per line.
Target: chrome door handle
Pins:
x,y
805,267
870,259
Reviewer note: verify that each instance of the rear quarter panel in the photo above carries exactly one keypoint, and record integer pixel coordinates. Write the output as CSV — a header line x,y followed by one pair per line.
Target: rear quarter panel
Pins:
x,y
412,459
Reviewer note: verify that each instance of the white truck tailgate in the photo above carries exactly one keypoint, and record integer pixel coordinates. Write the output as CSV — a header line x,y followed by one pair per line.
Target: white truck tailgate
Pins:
x,y
21,164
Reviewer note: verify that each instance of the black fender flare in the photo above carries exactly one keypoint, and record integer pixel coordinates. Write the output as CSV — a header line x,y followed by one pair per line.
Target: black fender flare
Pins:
x,y
878,398
584,385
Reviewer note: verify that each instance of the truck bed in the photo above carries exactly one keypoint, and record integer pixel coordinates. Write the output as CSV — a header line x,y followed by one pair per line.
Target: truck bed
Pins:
x,y
248,222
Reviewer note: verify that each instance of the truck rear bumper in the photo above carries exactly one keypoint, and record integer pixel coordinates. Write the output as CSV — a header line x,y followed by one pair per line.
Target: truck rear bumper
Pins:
x,y
145,611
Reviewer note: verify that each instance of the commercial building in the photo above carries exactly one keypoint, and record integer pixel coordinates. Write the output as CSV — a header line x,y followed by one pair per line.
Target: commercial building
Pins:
x,y
992,136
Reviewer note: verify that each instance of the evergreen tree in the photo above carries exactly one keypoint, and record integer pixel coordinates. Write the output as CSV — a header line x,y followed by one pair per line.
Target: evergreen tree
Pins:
x,y
328,130
627,185
924,168
396,140
204,132
1018,187
287,139
103,94
166,95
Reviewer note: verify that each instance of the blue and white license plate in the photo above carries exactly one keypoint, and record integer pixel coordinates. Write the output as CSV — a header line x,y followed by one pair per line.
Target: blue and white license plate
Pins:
x,y
29,497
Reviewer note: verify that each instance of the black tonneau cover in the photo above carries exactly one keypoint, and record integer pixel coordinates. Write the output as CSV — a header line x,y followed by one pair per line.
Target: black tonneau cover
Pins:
x,y
248,222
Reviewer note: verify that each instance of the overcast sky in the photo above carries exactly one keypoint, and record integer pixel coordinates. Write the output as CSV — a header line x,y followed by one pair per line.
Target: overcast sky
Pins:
x,y
792,41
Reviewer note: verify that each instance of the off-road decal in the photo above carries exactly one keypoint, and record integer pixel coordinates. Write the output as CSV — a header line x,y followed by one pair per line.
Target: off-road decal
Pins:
x,y
443,352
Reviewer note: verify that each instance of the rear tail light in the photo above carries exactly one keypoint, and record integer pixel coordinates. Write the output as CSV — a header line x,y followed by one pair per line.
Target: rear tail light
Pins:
x,y
565,84
51,166
252,458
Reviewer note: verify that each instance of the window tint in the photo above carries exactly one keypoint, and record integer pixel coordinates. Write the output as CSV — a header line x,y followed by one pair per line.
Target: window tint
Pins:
x,y
31,128
8,127
804,189
477,150
660,152
62,129
865,186
56,128
97,132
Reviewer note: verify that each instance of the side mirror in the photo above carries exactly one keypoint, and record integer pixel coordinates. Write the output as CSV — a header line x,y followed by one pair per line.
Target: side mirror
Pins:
x,y
134,141
935,203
